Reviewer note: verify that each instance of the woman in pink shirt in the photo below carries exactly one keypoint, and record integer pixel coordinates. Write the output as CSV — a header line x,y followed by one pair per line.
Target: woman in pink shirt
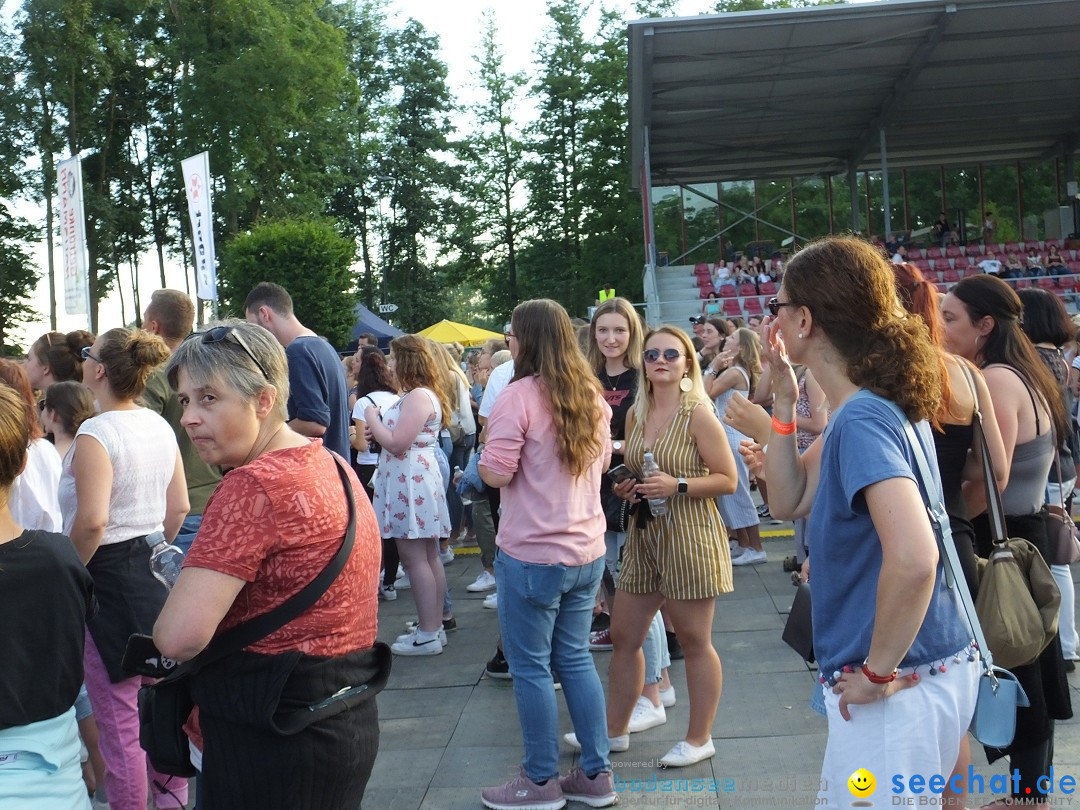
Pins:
x,y
547,446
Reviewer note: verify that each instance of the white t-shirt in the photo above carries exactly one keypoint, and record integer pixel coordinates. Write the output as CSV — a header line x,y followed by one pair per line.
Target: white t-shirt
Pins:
x,y
35,499
380,399
497,381
990,266
142,449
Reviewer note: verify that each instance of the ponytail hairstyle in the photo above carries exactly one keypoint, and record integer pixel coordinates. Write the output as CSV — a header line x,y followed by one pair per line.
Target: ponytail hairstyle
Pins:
x,y
986,295
61,353
548,350
920,298
72,402
850,289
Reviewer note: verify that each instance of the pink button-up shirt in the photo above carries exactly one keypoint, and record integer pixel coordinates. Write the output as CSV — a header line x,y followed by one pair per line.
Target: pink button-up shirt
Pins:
x,y
549,515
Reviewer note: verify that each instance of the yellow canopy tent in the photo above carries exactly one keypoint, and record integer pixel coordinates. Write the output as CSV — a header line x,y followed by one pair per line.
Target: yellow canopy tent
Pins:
x,y
449,332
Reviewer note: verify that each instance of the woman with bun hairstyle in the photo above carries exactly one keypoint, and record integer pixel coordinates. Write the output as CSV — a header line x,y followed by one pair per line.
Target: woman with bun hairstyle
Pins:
x,y
123,487
882,611
55,357
982,317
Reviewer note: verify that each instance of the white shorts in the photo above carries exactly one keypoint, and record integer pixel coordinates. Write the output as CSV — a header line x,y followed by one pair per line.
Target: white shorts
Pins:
x,y
916,731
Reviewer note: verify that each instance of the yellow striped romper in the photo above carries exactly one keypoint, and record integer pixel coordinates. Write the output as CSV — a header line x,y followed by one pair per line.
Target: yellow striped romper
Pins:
x,y
683,554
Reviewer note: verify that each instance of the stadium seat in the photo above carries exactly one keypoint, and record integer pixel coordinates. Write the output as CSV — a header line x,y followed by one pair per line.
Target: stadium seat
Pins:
x,y
700,266
732,308
914,254
753,306
747,289
768,288
953,251
1012,247
950,276
1047,283
728,291
934,253
1022,283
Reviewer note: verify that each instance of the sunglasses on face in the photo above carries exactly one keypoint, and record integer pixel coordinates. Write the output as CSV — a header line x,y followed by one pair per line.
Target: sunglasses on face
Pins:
x,y
669,355
86,355
218,334
774,306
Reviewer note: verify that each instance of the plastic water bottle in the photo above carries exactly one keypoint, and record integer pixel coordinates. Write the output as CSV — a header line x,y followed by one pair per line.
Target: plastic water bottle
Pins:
x,y
165,559
464,492
658,506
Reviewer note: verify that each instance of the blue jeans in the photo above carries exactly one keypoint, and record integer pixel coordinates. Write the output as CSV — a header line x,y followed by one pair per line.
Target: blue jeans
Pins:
x,y
545,612
188,529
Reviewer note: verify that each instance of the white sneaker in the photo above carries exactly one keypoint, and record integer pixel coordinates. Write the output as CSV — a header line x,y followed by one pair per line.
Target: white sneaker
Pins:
x,y
388,593
412,645
447,556
408,637
738,551
491,601
402,583
667,697
683,754
616,744
750,557
646,716
484,582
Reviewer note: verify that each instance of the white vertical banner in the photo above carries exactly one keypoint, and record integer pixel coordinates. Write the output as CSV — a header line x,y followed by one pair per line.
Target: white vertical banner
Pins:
x,y
196,172
73,237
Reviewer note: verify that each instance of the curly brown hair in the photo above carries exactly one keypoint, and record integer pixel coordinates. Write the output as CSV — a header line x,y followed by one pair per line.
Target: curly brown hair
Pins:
x,y
415,367
850,289
548,349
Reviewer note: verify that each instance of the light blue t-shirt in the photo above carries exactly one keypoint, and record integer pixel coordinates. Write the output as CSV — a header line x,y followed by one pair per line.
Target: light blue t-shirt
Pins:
x,y
865,444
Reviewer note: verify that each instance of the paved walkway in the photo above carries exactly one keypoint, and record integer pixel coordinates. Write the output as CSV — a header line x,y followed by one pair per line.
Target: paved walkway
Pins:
x,y
447,731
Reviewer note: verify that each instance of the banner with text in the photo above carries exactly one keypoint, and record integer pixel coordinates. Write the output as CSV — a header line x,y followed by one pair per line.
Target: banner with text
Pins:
x,y
196,172
73,237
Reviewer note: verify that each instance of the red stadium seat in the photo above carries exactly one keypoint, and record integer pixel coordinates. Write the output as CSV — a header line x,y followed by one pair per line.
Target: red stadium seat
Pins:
x,y
953,251
1023,283
950,276
727,291
1047,283
701,266
747,289
768,288
753,306
934,253
1012,247
732,308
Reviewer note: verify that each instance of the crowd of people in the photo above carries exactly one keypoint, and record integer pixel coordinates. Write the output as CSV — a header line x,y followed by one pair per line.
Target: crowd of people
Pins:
x,y
606,471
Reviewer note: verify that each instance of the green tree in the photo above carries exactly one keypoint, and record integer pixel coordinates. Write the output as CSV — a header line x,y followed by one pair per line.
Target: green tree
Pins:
x,y
17,274
309,258
421,181
488,236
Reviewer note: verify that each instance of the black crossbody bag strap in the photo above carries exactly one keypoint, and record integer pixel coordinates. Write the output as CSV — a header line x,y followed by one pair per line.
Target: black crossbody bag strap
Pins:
x,y
259,627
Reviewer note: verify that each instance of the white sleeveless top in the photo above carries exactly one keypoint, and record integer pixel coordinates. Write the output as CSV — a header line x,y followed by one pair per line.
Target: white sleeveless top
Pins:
x,y
142,448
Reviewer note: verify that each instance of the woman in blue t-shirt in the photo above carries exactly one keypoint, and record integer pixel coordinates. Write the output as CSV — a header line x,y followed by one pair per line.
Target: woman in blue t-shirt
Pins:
x,y
883,618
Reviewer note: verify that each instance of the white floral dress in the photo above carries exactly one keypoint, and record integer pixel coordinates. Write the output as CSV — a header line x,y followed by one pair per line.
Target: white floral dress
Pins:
x,y
410,494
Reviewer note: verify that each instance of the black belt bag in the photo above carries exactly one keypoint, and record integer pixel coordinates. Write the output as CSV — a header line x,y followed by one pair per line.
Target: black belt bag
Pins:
x,y
165,706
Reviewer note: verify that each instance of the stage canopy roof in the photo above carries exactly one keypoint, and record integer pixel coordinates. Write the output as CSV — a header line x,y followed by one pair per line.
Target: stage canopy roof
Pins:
x,y
798,92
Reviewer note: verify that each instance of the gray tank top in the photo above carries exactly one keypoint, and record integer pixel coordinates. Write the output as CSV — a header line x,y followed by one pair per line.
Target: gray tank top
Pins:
x,y
1026,491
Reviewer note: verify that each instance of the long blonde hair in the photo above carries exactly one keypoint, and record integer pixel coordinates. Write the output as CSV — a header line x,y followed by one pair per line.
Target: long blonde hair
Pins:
x,y
451,373
749,356
688,399
548,349
618,306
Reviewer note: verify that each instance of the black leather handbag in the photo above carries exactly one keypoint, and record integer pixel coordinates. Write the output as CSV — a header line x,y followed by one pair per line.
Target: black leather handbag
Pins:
x,y
165,706
799,628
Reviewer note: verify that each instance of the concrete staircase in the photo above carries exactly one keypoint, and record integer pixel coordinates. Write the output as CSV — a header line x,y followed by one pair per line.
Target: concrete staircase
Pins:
x,y
677,294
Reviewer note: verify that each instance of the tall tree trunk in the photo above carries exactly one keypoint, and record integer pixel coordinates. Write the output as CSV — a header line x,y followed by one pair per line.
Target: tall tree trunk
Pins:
x,y
48,183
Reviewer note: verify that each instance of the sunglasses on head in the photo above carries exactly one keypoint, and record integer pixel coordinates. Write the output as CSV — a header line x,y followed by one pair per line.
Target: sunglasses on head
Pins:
x,y
669,355
774,306
217,334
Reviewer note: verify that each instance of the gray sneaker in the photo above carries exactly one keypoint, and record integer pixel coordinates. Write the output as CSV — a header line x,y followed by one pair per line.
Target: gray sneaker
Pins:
x,y
521,793
596,792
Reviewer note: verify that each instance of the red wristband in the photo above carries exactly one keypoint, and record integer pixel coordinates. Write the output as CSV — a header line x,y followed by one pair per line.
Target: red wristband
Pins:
x,y
783,428
879,679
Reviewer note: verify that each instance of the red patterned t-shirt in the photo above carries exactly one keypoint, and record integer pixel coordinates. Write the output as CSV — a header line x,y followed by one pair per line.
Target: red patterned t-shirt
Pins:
x,y
275,523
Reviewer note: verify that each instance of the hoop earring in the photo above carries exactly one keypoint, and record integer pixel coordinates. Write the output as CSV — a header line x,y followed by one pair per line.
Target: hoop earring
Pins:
x,y
685,385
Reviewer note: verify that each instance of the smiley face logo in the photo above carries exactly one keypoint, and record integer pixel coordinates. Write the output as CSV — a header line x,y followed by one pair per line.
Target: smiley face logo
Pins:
x,y
862,783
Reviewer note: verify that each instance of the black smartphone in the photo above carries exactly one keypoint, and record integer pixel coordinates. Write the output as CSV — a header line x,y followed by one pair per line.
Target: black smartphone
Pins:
x,y
141,657
621,473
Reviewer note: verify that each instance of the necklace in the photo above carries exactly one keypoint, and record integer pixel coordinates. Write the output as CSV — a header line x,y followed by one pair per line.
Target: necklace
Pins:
x,y
657,427
612,383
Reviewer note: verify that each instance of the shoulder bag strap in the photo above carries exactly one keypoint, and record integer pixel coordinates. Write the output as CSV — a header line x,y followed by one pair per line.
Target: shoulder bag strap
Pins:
x,y
994,509
939,519
259,627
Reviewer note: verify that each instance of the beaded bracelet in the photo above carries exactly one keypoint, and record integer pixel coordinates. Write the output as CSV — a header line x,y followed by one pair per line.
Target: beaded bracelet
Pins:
x,y
878,679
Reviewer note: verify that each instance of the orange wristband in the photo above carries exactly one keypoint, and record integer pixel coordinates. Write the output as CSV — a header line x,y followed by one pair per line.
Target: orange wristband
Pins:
x,y
783,428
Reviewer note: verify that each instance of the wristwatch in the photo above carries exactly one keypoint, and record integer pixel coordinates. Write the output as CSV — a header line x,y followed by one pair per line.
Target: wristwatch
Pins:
x,y
682,486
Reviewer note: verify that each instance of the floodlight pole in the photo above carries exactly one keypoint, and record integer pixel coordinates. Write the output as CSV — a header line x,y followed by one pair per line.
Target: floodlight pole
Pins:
x,y
853,188
886,205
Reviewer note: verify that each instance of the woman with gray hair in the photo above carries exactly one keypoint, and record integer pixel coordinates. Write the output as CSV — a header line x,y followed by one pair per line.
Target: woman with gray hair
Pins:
x,y
273,524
